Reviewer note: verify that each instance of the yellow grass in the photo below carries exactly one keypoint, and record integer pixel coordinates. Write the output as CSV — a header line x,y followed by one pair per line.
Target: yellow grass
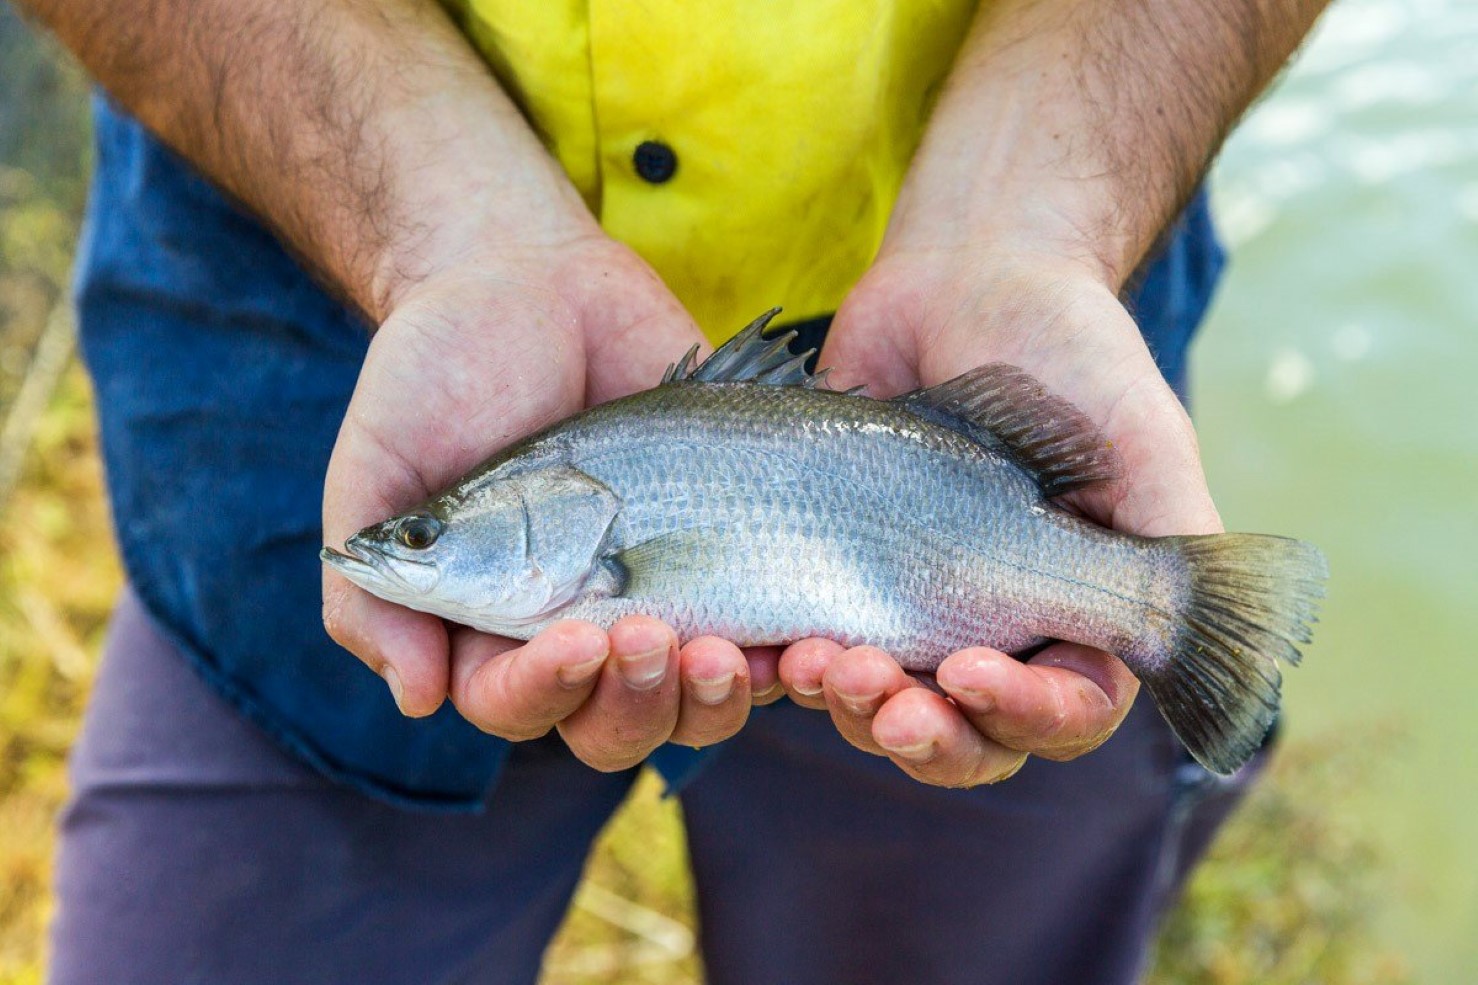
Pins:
x,y
58,576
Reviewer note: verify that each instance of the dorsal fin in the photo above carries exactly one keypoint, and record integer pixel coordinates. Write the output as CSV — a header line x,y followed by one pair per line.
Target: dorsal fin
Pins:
x,y
750,357
1002,405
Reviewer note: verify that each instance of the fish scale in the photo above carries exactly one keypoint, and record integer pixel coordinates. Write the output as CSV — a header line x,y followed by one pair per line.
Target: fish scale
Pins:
x,y
836,528
743,499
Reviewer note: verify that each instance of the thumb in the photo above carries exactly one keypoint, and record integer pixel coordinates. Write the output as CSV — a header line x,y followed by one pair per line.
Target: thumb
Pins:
x,y
870,343
633,331
1162,489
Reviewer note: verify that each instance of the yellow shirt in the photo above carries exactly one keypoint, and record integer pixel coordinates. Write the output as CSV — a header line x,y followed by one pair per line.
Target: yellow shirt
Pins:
x,y
774,135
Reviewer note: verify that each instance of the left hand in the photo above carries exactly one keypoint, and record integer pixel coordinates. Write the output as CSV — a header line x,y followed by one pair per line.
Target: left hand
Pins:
x,y
921,317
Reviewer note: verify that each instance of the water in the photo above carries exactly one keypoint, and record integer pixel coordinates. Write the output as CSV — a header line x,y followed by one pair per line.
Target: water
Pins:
x,y
1335,398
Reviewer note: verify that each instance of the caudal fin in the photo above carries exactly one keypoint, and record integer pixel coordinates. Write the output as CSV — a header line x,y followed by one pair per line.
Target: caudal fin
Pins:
x,y
1252,602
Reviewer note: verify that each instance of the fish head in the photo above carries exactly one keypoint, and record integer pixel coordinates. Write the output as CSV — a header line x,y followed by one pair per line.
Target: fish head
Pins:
x,y
499,553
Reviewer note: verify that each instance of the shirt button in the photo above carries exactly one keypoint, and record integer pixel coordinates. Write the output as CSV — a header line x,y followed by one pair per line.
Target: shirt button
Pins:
x,y
655,161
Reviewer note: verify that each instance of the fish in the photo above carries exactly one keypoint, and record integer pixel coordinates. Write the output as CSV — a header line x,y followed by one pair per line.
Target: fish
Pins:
x,y
744,498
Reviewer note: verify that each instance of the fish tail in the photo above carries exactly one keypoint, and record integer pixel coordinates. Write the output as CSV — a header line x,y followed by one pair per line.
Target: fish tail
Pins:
x,y
1252,601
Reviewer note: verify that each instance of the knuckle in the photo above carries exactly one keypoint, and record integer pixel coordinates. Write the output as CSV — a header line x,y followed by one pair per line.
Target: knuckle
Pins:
x,y
512,722
475,698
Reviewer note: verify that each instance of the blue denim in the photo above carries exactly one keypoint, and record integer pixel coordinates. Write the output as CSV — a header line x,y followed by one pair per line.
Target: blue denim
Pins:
x,y
222,372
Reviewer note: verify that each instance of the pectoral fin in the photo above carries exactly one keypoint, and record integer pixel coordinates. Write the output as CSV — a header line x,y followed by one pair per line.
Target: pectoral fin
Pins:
x,y
643,568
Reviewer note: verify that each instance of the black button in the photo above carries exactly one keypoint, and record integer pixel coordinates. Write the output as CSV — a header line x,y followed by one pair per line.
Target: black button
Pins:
x,y
655,161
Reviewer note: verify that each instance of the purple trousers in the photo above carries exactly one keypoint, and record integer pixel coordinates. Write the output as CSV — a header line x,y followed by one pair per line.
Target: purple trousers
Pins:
x,y
195,852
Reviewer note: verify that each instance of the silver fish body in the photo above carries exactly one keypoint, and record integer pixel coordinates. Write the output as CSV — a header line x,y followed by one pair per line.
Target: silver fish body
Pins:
x,y
781,513
740,499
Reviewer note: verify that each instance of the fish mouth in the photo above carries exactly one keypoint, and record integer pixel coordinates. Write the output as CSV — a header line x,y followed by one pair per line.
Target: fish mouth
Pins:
x,y
368,567
353,562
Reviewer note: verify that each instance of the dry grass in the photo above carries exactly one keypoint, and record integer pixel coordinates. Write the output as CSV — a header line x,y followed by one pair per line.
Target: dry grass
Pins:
x,y
58,576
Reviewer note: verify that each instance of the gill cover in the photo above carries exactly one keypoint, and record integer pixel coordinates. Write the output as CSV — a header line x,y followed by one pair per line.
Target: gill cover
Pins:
x,y
530,540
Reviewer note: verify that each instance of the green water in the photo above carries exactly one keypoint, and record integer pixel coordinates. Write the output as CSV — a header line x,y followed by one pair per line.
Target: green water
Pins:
x,y
1336,402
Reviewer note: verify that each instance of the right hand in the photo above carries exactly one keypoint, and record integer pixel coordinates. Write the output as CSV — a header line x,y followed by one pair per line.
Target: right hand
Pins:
x,y
470,359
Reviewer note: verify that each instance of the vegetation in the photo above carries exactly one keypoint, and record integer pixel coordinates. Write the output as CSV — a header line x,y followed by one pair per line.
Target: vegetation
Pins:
x,y
1288,894
1286,897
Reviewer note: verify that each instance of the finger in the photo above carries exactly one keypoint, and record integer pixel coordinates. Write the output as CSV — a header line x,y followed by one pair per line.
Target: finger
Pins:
x,y
1068,700
1115,382
1163,488
384,462
855,685
635,703
406,648
764,674
521,692
867,345
715,692
933,742
802,667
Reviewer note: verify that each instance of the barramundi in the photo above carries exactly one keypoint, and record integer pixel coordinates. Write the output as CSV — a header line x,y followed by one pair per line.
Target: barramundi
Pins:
x,y
744,498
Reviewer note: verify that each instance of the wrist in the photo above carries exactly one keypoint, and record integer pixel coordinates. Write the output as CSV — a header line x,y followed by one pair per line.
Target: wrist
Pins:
x,y
472,186
463,232
991,210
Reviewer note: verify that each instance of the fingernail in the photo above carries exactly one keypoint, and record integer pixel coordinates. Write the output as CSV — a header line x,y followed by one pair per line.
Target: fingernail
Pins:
x,y
397,690
981,694
920,753
714,691
859,704
643,671
806,690
981,702
578,675
773,691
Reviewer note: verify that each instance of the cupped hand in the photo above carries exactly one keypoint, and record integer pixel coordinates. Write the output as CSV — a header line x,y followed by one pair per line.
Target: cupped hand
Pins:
x,y
472,358
922,317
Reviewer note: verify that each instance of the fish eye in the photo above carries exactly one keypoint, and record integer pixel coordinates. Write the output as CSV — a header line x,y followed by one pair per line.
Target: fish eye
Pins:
x,y
418,532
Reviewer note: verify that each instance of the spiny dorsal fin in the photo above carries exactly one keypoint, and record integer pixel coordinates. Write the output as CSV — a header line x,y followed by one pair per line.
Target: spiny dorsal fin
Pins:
x,y
750,357
1045,434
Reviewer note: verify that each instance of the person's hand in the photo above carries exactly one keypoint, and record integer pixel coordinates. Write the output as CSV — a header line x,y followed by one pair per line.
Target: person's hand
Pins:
x,y
918,319
472,358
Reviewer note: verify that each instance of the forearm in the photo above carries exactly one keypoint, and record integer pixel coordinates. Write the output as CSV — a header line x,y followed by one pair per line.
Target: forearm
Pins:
x,y
365,132
1080,128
